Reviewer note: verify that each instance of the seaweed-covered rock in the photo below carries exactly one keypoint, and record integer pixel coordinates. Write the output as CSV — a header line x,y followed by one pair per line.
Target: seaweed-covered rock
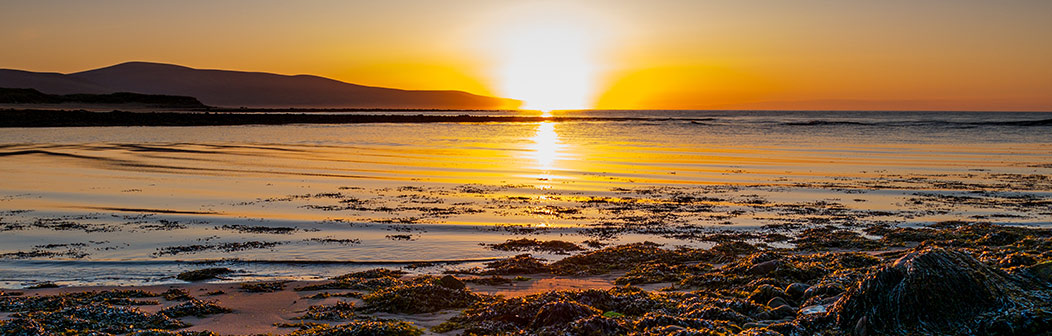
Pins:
x,y
796,290
829,237
657,324
526,244
1042,271
451,282
194,307
943,291
424,296
765,293
562,312
661,272
263,287
520,264
339,312
596,326
535,313
102,318
363,328
611,258
203,274
372,274
176,294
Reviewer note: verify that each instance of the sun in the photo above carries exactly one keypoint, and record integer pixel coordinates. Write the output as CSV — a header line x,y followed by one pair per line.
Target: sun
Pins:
x,y
549,57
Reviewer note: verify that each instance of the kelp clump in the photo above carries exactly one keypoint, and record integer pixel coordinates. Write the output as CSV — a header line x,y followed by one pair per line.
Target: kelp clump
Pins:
x,y
526,244
339,312
194,307
365,280
616,311
420,295
362,328
86,319
945,291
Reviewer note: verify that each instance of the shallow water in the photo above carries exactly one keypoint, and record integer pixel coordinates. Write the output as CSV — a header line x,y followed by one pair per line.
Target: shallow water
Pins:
x,y
135,205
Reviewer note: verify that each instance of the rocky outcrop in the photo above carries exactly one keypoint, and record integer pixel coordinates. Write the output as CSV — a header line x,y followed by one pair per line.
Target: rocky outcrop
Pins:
x,y
944,291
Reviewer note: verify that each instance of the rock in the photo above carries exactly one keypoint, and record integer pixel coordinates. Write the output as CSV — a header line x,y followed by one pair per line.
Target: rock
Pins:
x,y
562,312
718,314
815,309
943,291
1042,271
1016,259
764,268
786,328
202,274
796,290
764,293
777,301
777,313
822,290
762,331
451,282
596,326
860,327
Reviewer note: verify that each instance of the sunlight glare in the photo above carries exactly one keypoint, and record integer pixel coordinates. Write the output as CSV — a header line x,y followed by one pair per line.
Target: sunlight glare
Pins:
x,y
546,146
549,59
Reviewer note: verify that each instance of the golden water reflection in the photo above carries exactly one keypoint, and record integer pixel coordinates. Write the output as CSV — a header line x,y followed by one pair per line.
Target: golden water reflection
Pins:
x,y
546,151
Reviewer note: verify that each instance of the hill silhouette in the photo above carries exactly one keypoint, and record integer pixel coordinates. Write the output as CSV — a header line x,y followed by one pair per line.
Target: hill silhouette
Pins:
x,y
226,88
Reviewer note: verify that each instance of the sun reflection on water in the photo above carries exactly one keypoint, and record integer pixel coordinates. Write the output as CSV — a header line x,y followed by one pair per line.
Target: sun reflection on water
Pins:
x,y
546,152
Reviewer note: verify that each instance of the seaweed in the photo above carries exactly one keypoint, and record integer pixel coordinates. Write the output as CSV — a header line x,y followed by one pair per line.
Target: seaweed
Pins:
x,y
520,264
194,307
944,291
421,295
203,274
362,328
341,311
526,244
263,287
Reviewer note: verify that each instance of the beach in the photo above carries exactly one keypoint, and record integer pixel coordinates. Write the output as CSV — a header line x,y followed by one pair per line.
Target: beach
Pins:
x,y
626,222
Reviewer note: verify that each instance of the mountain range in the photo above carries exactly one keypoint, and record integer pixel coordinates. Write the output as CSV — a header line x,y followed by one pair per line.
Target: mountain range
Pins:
x,y
224,88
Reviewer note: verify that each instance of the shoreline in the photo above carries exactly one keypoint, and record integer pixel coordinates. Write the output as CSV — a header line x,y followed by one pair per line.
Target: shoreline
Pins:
x,y
832,282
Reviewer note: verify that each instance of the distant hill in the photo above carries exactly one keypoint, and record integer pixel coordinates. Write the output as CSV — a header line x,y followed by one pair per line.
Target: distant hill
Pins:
x,y
243,89
32,96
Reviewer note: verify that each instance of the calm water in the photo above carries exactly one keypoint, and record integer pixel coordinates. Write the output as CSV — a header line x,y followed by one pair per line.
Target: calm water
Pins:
x,y
133,205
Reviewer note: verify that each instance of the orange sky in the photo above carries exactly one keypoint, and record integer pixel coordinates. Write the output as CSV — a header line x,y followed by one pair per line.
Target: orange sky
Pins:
x,y
920,54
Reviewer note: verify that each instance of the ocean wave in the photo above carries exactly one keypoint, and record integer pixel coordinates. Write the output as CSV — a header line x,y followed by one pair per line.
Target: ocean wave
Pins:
x,y
922,123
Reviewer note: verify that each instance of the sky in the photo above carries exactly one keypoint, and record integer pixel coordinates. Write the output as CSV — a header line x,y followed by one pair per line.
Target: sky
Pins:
x,y
611,54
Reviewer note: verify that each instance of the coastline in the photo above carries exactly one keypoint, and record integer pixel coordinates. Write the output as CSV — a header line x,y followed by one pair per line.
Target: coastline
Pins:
x,y
833,281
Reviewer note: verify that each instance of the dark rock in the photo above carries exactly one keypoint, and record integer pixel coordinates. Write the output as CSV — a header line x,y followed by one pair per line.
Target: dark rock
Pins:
x,y
780,312
194,307
999,238
562,312
718,314
941,291
1016,259
202,274
764,268
796,290
777,301
786,328
763,331
823,290
1042,271
596,326
451,282
764,293
520,264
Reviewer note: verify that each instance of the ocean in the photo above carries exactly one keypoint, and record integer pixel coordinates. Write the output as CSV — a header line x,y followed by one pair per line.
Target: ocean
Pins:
x,y
137,205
